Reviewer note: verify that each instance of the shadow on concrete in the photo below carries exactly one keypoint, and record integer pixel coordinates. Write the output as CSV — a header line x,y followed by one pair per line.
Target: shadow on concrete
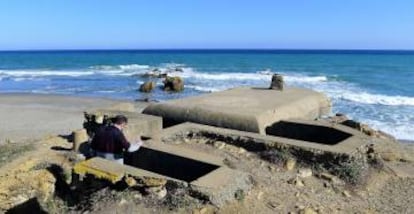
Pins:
x,y
306,132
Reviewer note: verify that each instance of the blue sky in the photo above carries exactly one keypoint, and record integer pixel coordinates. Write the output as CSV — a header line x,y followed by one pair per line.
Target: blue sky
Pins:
x,y
136,24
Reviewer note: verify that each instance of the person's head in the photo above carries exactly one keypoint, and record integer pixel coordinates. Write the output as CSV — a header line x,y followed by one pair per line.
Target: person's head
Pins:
x,y
120,121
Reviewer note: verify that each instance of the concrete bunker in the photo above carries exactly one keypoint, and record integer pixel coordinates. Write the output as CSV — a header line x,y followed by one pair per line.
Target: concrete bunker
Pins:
x,y
168,164
204,174
348,143
315,133
244,109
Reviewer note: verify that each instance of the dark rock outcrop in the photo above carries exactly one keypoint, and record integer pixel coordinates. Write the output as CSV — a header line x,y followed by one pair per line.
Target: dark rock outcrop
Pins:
x,y
277,82
175,84
147,87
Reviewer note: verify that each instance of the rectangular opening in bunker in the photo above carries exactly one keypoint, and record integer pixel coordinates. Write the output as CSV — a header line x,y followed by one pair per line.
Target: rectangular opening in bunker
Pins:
x,y
306,132
168,164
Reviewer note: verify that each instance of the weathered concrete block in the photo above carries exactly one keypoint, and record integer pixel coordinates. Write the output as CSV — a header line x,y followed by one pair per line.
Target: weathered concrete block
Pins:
x,y
138,124
245,109
312,137
203,173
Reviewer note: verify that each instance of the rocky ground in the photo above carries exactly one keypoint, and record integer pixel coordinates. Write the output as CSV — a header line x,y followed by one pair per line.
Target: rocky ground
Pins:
x,y
35,175
279,187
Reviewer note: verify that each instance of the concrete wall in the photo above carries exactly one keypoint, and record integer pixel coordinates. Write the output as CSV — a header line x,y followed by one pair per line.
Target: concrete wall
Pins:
x,y
245,109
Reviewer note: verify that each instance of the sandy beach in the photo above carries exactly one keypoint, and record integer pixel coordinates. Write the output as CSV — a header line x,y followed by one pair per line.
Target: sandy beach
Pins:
x,y
33,116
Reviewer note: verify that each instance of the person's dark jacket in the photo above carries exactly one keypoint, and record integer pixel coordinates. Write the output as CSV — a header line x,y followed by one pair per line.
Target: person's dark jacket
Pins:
x,y
109,139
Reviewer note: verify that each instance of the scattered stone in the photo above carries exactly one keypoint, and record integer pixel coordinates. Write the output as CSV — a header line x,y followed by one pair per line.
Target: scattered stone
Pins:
x,y
272,204
122,202
331,178
300,207
175,84
304,173
308,211
297,182
290,164
153,182
277,82
130,181
147,87
138,196
346,194
260,195
203,210
242,150
219,145
162,193
158,192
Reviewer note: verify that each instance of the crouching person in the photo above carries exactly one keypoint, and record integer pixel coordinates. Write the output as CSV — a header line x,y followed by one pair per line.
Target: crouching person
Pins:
x,y
110,143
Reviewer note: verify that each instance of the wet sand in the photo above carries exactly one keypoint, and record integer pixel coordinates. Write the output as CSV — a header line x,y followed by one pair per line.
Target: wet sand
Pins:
x,y
32,116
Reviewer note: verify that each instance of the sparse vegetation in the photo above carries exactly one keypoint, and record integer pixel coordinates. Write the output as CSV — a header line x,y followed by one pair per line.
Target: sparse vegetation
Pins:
x,y
239,195
178,196
10,151
41,165
278,157
352,172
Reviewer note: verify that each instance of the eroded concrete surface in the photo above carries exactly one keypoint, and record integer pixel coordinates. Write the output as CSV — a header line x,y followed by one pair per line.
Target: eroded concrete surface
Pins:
x,y
253,118
245,109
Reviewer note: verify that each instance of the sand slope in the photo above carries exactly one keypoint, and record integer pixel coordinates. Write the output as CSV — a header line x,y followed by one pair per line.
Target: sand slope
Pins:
x,y
30,117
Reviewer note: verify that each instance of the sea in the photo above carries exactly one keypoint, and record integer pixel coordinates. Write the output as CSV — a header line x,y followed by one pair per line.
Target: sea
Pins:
x,y
374,87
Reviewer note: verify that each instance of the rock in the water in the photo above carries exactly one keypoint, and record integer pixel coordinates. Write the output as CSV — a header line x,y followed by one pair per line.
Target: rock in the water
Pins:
x,y
147,87
277,82
175,84
179,69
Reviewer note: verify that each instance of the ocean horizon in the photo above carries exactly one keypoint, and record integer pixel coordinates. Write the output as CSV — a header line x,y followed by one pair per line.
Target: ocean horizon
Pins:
x,y
372,86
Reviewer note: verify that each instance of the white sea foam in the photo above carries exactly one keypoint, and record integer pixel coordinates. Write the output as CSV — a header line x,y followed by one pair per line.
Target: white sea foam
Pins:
x,y
380,99
398,129
377,110
134,67
204,89
302,78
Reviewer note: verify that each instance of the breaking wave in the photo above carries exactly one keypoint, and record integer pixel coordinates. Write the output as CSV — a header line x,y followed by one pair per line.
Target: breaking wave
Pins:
x,y
354,100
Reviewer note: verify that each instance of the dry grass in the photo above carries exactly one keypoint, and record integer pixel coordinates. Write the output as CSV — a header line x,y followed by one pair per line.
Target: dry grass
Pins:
x,y
10,151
